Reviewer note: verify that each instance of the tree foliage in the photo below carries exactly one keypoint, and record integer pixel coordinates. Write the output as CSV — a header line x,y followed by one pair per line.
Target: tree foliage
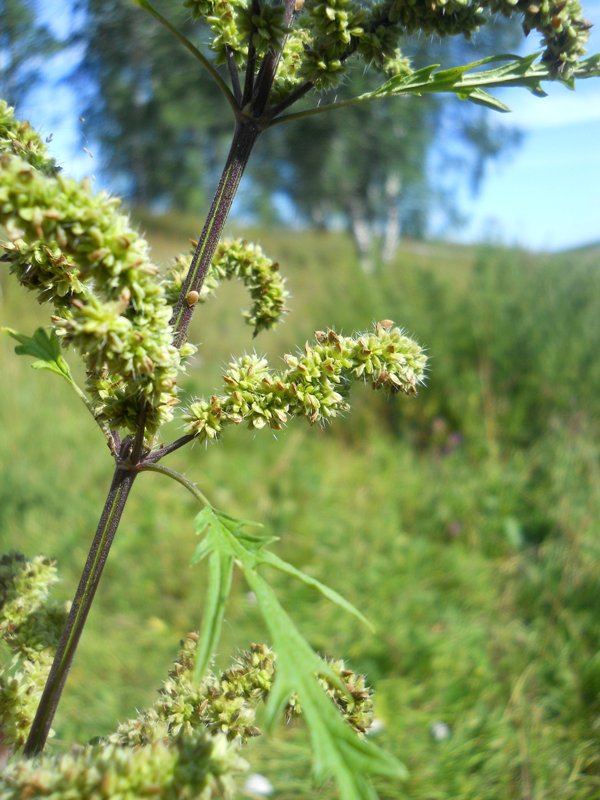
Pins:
x,y
157,123
24,44
381,170
372,170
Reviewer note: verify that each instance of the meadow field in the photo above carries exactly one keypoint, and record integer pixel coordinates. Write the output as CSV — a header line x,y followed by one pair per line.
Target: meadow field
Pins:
x,y
465,522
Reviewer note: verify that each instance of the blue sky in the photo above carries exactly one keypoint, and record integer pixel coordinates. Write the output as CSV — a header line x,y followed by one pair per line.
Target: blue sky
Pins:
x,y
546,196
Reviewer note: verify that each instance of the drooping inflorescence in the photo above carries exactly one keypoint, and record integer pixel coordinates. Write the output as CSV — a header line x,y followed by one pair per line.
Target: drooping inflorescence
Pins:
x,y
315,384
79,252
226,704
236,258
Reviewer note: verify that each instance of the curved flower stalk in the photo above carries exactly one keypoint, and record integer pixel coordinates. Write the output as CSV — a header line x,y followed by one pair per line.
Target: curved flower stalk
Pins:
x,y
237,258
314,385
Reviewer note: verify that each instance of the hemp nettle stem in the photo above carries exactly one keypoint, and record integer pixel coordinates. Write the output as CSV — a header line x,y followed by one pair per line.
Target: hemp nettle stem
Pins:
x,y
244,138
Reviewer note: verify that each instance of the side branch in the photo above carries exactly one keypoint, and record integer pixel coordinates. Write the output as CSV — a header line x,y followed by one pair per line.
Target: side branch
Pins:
x,y
166,449
179,478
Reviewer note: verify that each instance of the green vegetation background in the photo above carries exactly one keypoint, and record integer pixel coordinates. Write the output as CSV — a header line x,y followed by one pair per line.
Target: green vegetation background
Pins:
x,y
464,522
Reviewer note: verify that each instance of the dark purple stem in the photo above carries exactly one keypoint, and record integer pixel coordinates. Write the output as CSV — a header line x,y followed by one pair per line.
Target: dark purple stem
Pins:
x,y
166,449
233,74
107,527
245,136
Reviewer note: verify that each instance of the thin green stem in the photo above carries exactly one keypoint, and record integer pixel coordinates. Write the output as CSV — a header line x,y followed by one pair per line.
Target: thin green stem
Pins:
x,y
111,441
177,476
82,602
198,55
312,112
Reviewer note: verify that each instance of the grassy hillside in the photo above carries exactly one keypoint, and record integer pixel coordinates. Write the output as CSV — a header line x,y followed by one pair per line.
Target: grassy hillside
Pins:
x,y
464,522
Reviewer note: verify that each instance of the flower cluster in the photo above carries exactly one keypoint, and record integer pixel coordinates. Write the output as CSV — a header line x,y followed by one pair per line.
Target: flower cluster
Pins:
x,y
78,252
196,767
223,705
355,702
314,385
563,28
265,24
234,22
30,627
226,704
325,34
184,746
236,258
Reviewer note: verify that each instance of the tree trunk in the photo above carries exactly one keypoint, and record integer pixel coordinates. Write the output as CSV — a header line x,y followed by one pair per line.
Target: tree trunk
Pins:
x,y
391,232
362,235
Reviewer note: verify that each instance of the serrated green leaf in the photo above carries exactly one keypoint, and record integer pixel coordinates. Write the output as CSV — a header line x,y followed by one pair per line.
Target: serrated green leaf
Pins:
x,y
469,82
256,541
203,549
482,98
44,347
228,520
220,573
266,557
205,521
338,751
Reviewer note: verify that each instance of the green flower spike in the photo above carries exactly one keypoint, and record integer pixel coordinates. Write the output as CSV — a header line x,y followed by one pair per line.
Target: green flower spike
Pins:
x,y
314,385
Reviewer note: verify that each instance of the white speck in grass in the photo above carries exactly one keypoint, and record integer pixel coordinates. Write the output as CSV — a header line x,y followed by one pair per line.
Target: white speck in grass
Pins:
x,y
251,598
258,786
377,726
440,731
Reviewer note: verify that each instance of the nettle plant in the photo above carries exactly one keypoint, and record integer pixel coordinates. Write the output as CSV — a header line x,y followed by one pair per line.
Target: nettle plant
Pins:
x,y
128,323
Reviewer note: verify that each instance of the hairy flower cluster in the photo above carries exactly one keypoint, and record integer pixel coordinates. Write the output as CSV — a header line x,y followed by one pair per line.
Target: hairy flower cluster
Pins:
x,y
226,704
234,22
563,28
30,627
196,767
354,702
186,745
333,25
78,252
22,140
223,705
236,258
314,385
325,34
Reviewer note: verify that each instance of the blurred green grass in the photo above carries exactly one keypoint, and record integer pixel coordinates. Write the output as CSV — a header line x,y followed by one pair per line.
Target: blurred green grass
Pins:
x,y
464,522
